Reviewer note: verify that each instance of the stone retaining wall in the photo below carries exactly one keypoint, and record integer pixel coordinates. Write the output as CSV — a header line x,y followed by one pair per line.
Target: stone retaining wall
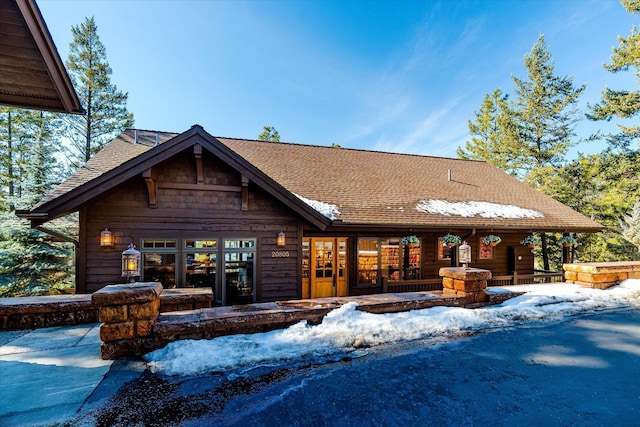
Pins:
x,y
46,311
601,275
128,330
66,310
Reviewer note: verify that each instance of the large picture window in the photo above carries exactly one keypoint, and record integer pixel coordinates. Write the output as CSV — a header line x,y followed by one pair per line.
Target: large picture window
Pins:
x,y
388,259
227,266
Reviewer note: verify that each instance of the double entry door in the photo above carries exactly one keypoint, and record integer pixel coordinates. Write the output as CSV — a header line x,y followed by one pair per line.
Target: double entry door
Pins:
x,y
324,267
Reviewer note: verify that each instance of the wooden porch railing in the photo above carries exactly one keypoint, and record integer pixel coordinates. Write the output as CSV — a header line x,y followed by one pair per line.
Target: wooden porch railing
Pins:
x,y
432,284
526,279
435,284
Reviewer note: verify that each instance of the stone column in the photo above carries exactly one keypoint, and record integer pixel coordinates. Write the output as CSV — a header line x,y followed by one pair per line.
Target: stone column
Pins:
x,y
468,283
128,313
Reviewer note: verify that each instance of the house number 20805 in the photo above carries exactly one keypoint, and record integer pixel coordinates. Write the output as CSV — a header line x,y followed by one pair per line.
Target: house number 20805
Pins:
x,y
279,254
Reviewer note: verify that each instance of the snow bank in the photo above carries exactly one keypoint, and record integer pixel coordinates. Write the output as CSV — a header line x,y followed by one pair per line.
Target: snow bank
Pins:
x,y
327,209
346,329
471,209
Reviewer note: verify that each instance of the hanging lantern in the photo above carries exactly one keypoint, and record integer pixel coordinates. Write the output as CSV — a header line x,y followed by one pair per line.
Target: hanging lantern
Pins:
x,y
106,238
280,240
464,254
131,263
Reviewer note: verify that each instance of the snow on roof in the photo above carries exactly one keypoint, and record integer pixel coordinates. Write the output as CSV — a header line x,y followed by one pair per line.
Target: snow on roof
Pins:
x,y
471,209
348,331
327,209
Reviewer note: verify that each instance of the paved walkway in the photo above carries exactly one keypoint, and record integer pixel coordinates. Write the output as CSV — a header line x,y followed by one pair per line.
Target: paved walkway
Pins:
x,y
47,375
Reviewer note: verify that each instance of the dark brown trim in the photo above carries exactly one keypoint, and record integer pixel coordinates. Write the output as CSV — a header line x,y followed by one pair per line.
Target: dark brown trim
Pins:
x,y
200,187
81,253
70,201
197,153
152,187
47,49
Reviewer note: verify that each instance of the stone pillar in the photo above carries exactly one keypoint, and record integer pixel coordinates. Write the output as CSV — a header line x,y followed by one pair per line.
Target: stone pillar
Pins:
x,y
128,313
468,283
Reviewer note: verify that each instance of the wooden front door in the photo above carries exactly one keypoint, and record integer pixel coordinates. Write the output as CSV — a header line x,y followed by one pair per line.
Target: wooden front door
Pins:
x,y
328,267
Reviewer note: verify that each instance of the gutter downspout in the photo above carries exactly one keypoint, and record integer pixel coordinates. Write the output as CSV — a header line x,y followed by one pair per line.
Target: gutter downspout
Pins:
x,y
471,234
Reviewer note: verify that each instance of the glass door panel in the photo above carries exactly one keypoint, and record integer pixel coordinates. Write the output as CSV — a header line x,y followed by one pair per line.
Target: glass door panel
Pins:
x,y
160,267
239,277
322,283
201,270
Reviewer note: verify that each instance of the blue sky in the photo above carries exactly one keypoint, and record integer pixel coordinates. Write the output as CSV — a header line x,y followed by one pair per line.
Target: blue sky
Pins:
x,y
401,76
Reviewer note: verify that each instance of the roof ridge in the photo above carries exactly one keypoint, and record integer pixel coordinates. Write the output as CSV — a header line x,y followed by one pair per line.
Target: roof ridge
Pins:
x,y
352,149
362,150
150,130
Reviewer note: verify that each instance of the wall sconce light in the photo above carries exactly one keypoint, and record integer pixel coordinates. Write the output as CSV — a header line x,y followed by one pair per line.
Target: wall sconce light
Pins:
x,y
281,240
464,254
106,238
131,263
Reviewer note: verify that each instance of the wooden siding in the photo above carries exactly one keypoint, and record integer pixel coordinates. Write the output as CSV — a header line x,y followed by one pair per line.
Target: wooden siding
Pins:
x,y
191,213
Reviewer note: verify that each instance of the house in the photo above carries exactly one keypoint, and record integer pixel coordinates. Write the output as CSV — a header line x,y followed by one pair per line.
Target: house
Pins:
x,y
31,72
264,221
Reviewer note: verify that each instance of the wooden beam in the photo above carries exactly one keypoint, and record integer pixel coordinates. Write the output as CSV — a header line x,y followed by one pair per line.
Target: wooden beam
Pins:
x,y
197,153
245,194
152,187
200,187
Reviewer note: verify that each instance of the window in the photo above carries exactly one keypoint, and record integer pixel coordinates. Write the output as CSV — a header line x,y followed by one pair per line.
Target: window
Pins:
x,y
306,266
324,258
239,271
486,251
368,261
444,251
201,266
394,260
227,266
390,257
159,261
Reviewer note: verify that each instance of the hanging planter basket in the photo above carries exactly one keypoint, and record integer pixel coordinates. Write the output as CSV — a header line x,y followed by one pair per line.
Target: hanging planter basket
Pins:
x,y
567,241
491,240
530,241
410,242
451,240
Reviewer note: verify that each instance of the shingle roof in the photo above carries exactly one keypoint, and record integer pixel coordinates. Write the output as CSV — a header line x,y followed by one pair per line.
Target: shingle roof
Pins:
x,y
373,188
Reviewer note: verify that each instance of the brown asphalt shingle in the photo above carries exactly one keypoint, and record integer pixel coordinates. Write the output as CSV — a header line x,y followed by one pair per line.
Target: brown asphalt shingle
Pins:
x,y
368,187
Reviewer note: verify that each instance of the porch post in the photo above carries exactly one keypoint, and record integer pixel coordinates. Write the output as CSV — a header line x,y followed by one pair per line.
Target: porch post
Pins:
x,y
468,283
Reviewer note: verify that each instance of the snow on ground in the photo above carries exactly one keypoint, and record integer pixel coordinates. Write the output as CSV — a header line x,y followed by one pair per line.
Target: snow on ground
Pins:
x,y
471,209
346,329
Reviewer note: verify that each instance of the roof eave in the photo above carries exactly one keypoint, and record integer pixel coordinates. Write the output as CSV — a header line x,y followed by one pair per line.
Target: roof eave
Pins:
x,y
427,227
57,72
71,201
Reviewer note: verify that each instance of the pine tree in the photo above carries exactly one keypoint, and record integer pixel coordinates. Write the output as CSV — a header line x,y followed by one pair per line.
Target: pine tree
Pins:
x,y
491,133
269,134
545,111
630,225
623,104
23,134
106,107
30,261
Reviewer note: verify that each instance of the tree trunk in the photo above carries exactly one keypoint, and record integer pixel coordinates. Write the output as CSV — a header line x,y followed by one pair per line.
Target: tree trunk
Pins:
x,y
545,254
87,148
10,161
